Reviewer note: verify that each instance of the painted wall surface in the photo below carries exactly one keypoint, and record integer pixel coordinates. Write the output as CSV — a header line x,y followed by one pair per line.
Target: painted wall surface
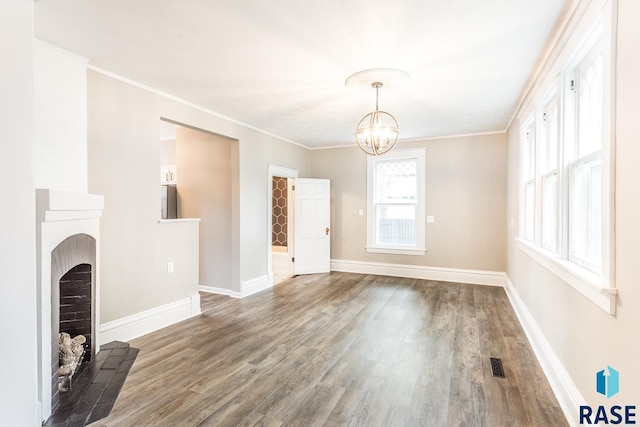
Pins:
x,y
124,162
584,337
18,395
204,191
60,118
465,192
255,157
168,152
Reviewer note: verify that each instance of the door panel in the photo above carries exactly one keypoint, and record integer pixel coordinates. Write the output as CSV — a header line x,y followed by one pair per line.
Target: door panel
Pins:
x,y
312,226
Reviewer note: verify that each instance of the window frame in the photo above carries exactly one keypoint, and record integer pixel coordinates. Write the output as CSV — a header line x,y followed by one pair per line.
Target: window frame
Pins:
x,y
419,154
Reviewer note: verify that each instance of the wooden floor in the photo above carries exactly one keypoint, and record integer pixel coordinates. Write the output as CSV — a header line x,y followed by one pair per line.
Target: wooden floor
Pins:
x,y
340,349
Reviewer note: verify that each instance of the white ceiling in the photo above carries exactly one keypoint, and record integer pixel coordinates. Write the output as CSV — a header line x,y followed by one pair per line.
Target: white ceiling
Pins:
x,y
280,65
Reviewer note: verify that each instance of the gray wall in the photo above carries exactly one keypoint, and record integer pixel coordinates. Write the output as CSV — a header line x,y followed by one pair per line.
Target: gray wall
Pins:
x,y
465,192
206,172
123,165
18,395
124,159
583,336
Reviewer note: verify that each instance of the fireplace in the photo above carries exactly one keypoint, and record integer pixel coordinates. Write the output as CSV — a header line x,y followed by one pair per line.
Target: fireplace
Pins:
x,y
68,279
72,298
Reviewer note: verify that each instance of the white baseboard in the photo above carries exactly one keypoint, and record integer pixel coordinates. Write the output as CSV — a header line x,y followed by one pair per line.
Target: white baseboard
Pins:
x,y
220,291
476,277
248,287
255,285
136,325
564,388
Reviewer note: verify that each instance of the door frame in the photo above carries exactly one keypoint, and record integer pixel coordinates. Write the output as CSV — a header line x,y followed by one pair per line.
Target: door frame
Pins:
x,y
284,172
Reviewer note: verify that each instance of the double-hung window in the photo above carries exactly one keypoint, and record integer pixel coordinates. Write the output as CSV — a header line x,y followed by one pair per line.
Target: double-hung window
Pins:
x,y
395,196
566,168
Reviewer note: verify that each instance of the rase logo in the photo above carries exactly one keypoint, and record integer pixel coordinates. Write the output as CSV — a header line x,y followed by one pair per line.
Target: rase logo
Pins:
x,y
608,384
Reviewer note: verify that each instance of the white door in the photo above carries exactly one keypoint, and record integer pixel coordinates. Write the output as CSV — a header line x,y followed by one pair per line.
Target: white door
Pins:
x,y
312,221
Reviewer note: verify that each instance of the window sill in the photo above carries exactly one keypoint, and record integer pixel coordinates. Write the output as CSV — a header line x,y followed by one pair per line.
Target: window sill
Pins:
x,y
588,284
395,251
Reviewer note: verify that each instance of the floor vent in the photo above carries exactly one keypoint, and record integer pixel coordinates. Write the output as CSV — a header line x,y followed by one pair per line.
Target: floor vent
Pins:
x,y
497,370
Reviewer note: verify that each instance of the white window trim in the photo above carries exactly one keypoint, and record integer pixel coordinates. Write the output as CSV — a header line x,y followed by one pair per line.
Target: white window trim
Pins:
x,y
600,289
582,280
420,248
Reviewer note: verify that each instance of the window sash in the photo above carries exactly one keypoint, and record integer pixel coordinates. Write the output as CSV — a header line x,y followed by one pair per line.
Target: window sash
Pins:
x,y
549,137
585,212
549,211
529,210
589,102
398,226
398,183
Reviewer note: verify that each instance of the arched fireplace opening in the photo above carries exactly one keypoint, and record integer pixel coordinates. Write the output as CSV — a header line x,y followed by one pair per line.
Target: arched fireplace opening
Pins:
x,y
72,307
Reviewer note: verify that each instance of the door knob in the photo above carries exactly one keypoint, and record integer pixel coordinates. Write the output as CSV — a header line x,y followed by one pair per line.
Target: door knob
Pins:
x,y
326,230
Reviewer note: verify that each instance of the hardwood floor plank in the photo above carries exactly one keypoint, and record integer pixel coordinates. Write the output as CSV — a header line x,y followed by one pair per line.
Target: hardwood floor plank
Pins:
x,y
340,349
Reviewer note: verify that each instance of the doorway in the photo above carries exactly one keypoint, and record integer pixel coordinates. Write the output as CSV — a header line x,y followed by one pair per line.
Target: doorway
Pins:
x,y
281,228
281,222
203,169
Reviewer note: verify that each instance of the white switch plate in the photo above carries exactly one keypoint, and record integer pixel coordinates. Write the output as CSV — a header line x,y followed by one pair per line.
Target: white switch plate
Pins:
x,y
360,212
431,219
170,267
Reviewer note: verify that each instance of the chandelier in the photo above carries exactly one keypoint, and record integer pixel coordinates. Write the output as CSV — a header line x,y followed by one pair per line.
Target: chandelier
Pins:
x,y
378,131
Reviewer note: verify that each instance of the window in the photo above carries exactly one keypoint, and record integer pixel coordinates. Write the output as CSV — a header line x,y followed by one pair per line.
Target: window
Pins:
x,y
549,174
529,179
585,162
566,168
395,198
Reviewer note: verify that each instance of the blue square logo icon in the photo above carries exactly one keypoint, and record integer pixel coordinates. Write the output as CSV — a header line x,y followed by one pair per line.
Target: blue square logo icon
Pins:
x,y
608,382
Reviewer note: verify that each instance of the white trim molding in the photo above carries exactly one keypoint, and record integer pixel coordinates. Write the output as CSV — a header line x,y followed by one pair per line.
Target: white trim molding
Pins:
x,y
563,387
255,285
475,277
219,291
136,325
588,284
248,287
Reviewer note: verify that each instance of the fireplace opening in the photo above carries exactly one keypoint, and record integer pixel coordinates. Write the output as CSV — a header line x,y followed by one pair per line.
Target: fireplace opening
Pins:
x,y
75,305
73,311
73,343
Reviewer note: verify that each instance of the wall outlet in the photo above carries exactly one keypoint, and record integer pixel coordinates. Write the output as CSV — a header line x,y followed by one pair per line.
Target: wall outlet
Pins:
x,y
431,219
360,212
171,267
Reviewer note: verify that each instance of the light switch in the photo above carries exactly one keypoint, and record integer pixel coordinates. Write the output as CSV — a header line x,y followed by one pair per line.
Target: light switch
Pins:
x,y
360,212
170,267
431,219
